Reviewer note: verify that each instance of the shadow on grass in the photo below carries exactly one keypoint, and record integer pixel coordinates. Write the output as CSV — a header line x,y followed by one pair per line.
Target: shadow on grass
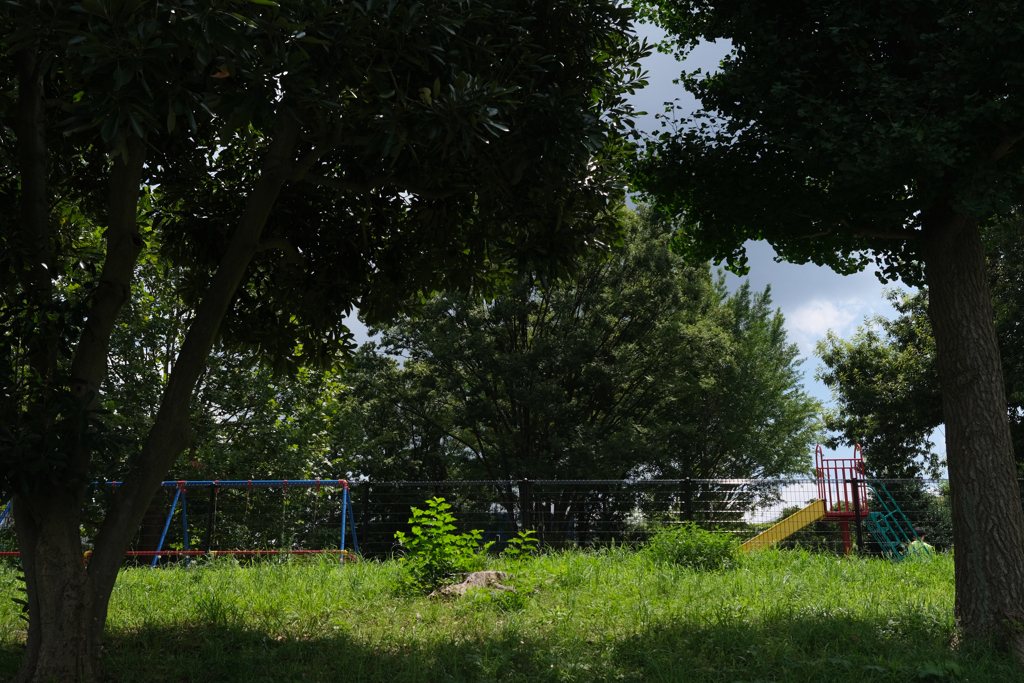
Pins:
x,y
795,649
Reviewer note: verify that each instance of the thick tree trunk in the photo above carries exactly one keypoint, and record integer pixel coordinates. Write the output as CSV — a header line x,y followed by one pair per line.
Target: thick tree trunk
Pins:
x,y
67,601
988,522
63,637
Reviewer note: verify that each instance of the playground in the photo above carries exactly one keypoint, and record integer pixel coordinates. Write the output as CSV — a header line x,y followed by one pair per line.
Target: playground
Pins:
x,y
836,511
274,580
843,498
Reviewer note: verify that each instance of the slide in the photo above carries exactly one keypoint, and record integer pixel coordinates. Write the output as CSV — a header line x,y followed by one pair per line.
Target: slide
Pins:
x,y
787,527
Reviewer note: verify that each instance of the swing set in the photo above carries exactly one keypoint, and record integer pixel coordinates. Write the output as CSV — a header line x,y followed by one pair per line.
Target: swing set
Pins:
x,y
180,495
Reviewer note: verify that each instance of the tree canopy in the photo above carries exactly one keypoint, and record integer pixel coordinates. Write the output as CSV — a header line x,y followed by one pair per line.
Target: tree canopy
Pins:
x,y
835,130
292,160
845,133
640,367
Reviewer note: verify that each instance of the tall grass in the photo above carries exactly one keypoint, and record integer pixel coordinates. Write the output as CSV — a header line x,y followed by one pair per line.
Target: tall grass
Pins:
x,y
614,615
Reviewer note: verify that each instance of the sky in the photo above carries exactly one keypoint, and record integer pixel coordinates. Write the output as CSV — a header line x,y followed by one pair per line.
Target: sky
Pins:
x,y
813,299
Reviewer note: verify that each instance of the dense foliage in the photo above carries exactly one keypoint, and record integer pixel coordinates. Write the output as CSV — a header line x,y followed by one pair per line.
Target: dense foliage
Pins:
x,y
292,161
885,382
642,366
835,130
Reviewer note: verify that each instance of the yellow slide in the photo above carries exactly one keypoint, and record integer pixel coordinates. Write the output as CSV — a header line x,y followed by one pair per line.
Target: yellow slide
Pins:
x,y
787,527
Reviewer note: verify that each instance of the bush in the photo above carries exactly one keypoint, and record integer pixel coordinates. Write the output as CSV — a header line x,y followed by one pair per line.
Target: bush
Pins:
x,y
520,547
435,555
690,546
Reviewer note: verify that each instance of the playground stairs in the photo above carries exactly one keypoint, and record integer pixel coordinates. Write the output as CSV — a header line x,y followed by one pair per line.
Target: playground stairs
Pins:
x,y
889,527
787,527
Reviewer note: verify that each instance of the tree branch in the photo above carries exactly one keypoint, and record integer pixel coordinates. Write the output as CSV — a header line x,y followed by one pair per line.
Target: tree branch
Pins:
x,y
124,243
299,170
1006,144
347,186
885,234
291,254
170,433
32,158
864,231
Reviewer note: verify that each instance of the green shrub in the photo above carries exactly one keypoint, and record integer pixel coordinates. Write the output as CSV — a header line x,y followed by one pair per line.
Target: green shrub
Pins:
x,y
433,553
690,546
520,547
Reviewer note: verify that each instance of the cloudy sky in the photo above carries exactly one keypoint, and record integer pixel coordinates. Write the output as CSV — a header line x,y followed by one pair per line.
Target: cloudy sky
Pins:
x,y
813,299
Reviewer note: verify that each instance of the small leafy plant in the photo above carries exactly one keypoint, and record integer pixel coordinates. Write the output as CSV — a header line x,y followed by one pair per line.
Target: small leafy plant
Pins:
x,y
522,545
434,553
690,546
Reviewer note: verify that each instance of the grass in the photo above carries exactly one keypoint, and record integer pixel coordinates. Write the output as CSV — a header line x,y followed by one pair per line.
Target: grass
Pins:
x,y
606,616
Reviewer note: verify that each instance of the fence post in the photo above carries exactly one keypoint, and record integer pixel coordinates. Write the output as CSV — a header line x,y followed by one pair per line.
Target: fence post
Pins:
x,y
855,483
687,500
366,511
211,518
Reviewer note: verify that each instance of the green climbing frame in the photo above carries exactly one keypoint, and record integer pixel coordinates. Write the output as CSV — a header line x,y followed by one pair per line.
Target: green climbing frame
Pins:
x,y
890,528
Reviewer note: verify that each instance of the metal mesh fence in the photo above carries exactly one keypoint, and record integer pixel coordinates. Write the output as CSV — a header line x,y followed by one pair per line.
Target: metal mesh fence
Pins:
x,y
273,517
595,513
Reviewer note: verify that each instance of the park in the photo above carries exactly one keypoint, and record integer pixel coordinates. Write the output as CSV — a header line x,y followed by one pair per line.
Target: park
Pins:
x,y
312,310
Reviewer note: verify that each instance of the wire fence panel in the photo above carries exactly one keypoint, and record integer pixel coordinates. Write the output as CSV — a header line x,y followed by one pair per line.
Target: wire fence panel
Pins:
x,y
595,513
304,516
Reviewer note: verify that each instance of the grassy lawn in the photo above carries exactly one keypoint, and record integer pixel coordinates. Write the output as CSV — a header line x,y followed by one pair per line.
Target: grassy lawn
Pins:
x,y
615,615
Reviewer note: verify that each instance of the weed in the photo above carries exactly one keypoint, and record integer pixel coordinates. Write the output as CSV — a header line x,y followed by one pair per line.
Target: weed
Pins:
x,y
521,546
688,545
434,554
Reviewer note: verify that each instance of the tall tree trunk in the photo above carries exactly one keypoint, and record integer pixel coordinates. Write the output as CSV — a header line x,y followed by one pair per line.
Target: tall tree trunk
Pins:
x,y
68,602
65,629
46,520
988,522
59,646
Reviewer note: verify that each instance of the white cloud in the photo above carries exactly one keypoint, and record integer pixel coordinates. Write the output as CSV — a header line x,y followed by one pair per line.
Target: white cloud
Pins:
x,y
812,320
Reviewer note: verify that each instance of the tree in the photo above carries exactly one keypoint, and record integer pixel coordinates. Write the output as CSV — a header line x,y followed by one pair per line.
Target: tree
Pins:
x,y
246,421
310,157
841,132
887,391
389,428
753,419
641,367
885,379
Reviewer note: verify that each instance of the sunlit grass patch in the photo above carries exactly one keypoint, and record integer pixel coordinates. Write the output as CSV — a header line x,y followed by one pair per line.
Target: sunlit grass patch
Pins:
x,y
614,615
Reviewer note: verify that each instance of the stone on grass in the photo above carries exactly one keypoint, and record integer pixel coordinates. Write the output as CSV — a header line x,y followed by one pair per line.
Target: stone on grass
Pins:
x,y
490,580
